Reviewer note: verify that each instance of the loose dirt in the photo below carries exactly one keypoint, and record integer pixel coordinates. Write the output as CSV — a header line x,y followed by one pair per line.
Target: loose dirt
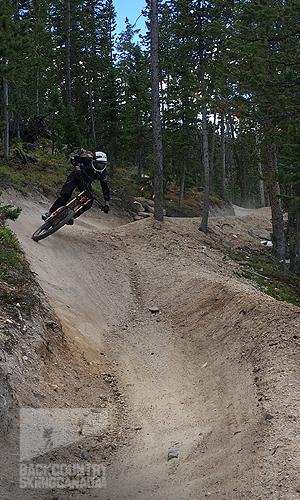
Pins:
x,y
213,376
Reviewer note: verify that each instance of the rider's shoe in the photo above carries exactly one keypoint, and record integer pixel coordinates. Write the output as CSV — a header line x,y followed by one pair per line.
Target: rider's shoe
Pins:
x,y
71,222
46,215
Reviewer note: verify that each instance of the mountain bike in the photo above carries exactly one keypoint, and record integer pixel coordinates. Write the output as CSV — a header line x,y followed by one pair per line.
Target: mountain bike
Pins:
x,y
64,214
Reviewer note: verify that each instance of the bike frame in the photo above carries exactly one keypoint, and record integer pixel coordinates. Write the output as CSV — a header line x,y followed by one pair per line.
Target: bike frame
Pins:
x,y
82,199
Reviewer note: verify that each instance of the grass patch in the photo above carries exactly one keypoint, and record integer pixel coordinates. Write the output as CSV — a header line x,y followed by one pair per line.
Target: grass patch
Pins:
x,y
21,177
41,169
267,273
191,203
14,269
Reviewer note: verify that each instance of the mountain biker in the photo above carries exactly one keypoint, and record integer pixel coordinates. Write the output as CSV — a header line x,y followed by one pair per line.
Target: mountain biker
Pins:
x,y
86,169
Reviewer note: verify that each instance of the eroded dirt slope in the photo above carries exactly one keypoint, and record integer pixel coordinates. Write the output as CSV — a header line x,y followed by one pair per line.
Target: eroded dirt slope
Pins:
x,y
214,375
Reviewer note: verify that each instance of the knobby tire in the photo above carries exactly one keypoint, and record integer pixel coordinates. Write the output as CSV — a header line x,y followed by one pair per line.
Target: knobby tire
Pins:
x,y
54,223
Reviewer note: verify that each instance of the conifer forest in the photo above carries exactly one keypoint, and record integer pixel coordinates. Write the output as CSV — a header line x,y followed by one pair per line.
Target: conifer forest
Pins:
x,y
229,95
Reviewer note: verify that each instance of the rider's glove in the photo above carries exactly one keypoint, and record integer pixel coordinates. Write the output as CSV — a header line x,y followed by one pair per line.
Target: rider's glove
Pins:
x,y
105,209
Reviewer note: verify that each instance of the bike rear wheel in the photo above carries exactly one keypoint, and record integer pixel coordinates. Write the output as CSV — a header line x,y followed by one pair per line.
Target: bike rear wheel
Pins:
x,y
58,219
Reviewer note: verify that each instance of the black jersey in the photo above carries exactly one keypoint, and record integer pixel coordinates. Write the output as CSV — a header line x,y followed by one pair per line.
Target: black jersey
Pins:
x,y
89,174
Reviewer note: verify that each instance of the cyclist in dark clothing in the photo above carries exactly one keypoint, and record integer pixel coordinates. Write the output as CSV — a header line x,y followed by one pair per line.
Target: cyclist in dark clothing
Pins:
x,y
87,169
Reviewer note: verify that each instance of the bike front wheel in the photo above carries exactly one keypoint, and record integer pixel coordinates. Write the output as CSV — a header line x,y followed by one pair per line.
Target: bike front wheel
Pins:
x,y
58,219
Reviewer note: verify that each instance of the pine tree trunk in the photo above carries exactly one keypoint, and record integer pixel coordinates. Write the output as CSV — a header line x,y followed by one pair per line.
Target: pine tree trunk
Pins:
x,y
223,158
293,244
111,149
293,228
212,151
182,184
140,155
6,119
91,104
184,151
229,159
298,259
242,180
239,164
261,186
37,92
261,182
156,118
204,222
68,54
276,207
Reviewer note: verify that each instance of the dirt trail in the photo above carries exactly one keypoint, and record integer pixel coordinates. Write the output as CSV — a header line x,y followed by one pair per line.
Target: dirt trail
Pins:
x,y
207,376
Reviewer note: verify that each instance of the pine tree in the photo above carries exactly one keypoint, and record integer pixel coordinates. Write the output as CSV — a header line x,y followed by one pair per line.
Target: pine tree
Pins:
x,y
135,102
37,84
180,106
13,42
265,75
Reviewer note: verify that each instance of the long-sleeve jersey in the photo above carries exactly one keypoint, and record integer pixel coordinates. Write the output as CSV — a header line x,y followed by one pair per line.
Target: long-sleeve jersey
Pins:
x,y
89,174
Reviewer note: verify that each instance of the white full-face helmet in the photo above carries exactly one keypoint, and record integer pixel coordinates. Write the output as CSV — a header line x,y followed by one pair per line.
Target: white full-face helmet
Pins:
x,y
99,162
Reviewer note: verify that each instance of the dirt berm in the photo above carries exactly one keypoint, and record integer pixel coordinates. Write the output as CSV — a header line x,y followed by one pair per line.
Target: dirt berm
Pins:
x,y
211,379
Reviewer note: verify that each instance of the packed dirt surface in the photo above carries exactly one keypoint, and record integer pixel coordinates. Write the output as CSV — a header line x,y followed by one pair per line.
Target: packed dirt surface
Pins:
x,y
205,385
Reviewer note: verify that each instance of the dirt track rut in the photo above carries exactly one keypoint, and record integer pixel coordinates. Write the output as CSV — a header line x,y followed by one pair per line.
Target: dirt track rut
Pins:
x,y
188,374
